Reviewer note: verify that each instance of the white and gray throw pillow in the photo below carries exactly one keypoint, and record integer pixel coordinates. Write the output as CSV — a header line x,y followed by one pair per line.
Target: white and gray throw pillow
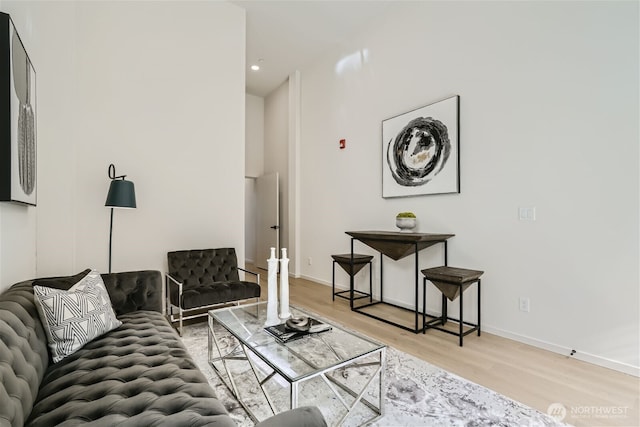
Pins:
x,y
73,318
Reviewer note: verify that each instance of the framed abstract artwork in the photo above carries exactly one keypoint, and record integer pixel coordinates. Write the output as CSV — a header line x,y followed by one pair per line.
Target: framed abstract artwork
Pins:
x,y
17,118
420,151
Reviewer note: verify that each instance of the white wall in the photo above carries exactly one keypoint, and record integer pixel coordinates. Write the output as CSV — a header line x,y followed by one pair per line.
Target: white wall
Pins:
x,y
162,98
282,155
294,187
276,150
254,164
549,118
17,244
48,33
18,222
161,90
254,136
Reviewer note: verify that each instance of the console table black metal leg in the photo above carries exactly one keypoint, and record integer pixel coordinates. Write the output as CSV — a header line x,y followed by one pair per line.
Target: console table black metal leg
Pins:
x,y
381,279
461,321
351,279
478,307
416,306
370,281
333,282
445,310
424,305
445,253
445,314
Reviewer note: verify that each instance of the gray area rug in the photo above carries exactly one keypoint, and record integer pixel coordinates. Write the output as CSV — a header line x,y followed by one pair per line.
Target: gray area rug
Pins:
x,y
416,394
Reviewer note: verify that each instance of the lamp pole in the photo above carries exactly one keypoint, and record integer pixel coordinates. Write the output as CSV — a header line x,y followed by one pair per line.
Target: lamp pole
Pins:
x,y
121,195
110,238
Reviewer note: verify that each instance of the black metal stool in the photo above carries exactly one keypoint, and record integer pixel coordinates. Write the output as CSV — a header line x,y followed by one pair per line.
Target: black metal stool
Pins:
x,y
452,282
359,261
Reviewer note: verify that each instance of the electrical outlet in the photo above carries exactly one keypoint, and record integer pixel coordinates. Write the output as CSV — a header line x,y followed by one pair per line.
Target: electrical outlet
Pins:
x,y
309,261
525,305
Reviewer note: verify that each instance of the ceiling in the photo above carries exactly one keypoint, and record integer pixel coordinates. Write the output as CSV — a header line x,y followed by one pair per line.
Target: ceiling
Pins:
x,y
287,35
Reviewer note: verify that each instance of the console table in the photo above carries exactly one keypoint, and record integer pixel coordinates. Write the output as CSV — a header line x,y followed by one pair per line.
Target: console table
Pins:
x,y
396,246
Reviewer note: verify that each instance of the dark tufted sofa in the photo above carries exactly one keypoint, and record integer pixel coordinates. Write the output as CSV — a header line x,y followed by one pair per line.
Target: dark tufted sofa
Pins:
x,y
139,374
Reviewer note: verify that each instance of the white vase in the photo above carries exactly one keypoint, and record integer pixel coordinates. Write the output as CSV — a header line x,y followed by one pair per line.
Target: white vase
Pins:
x,y
406,225
272,290
284,285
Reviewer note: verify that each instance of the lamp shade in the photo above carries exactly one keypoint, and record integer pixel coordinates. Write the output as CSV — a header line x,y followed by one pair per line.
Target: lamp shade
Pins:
x,y
121,194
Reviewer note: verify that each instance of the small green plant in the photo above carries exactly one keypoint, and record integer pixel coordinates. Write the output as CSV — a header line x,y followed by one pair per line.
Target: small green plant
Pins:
x,y
406,215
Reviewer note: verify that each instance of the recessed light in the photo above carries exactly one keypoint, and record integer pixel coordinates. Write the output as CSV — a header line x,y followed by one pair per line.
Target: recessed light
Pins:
x,y
255,67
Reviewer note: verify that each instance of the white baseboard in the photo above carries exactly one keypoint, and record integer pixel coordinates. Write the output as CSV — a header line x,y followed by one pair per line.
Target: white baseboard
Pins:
x,y
566,351
555,348
315,279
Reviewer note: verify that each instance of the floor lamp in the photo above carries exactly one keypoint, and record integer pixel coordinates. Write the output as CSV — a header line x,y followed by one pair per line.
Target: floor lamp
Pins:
x,y
121,195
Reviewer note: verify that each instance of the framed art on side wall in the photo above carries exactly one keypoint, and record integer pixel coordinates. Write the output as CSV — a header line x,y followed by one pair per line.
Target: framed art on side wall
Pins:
x,y
420,151
17,118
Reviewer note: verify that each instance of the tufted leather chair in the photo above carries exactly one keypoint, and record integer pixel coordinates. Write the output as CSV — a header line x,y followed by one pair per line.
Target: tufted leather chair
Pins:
x,y
205,278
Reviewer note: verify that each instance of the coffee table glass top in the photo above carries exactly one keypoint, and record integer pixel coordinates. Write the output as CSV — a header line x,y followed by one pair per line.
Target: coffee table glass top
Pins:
x,y
294,360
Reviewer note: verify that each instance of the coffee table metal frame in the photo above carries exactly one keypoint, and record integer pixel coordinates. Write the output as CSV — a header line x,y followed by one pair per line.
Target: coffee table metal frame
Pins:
x,y
243,349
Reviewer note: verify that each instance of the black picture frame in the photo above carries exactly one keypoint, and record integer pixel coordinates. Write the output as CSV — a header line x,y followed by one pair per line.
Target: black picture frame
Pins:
x,y
18,118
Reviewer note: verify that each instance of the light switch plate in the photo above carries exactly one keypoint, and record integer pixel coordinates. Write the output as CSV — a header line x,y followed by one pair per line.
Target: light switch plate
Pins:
x,y
527,213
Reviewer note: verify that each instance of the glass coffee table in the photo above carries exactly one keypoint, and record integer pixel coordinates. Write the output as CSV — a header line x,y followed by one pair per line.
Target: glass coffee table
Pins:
x,y
340,371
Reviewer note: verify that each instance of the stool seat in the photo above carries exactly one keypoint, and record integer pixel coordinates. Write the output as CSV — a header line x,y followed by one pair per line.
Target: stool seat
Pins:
x,y
452,274
359,261
451,281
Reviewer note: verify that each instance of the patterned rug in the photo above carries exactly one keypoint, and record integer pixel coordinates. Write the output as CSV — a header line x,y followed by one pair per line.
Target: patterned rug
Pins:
x,y
417,394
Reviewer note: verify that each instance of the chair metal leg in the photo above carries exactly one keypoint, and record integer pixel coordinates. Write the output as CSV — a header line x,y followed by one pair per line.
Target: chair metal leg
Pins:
x,y
180,327
167,299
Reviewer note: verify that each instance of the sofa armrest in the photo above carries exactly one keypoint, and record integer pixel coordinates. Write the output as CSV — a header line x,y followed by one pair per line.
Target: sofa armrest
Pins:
x,y
252,273
134,290
172,283
305,416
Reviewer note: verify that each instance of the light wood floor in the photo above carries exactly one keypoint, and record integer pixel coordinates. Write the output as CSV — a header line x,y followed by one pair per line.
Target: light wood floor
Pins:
x,y
535,377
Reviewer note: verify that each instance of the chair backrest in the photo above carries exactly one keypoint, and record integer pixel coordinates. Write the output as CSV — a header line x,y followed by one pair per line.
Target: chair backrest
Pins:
x,y
203,266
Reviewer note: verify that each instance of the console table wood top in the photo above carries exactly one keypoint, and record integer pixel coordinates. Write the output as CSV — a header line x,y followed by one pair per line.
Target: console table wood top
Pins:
x,y
397,245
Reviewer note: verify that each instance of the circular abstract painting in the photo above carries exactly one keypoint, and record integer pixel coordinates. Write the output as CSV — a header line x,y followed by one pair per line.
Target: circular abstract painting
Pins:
x,y
419,151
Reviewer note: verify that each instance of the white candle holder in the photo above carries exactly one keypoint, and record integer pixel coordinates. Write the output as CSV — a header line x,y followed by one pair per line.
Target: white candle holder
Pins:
x,y
272,290
284,286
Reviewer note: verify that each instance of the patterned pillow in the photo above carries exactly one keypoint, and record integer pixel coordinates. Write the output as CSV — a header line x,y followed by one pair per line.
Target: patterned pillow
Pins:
x,y
73,318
